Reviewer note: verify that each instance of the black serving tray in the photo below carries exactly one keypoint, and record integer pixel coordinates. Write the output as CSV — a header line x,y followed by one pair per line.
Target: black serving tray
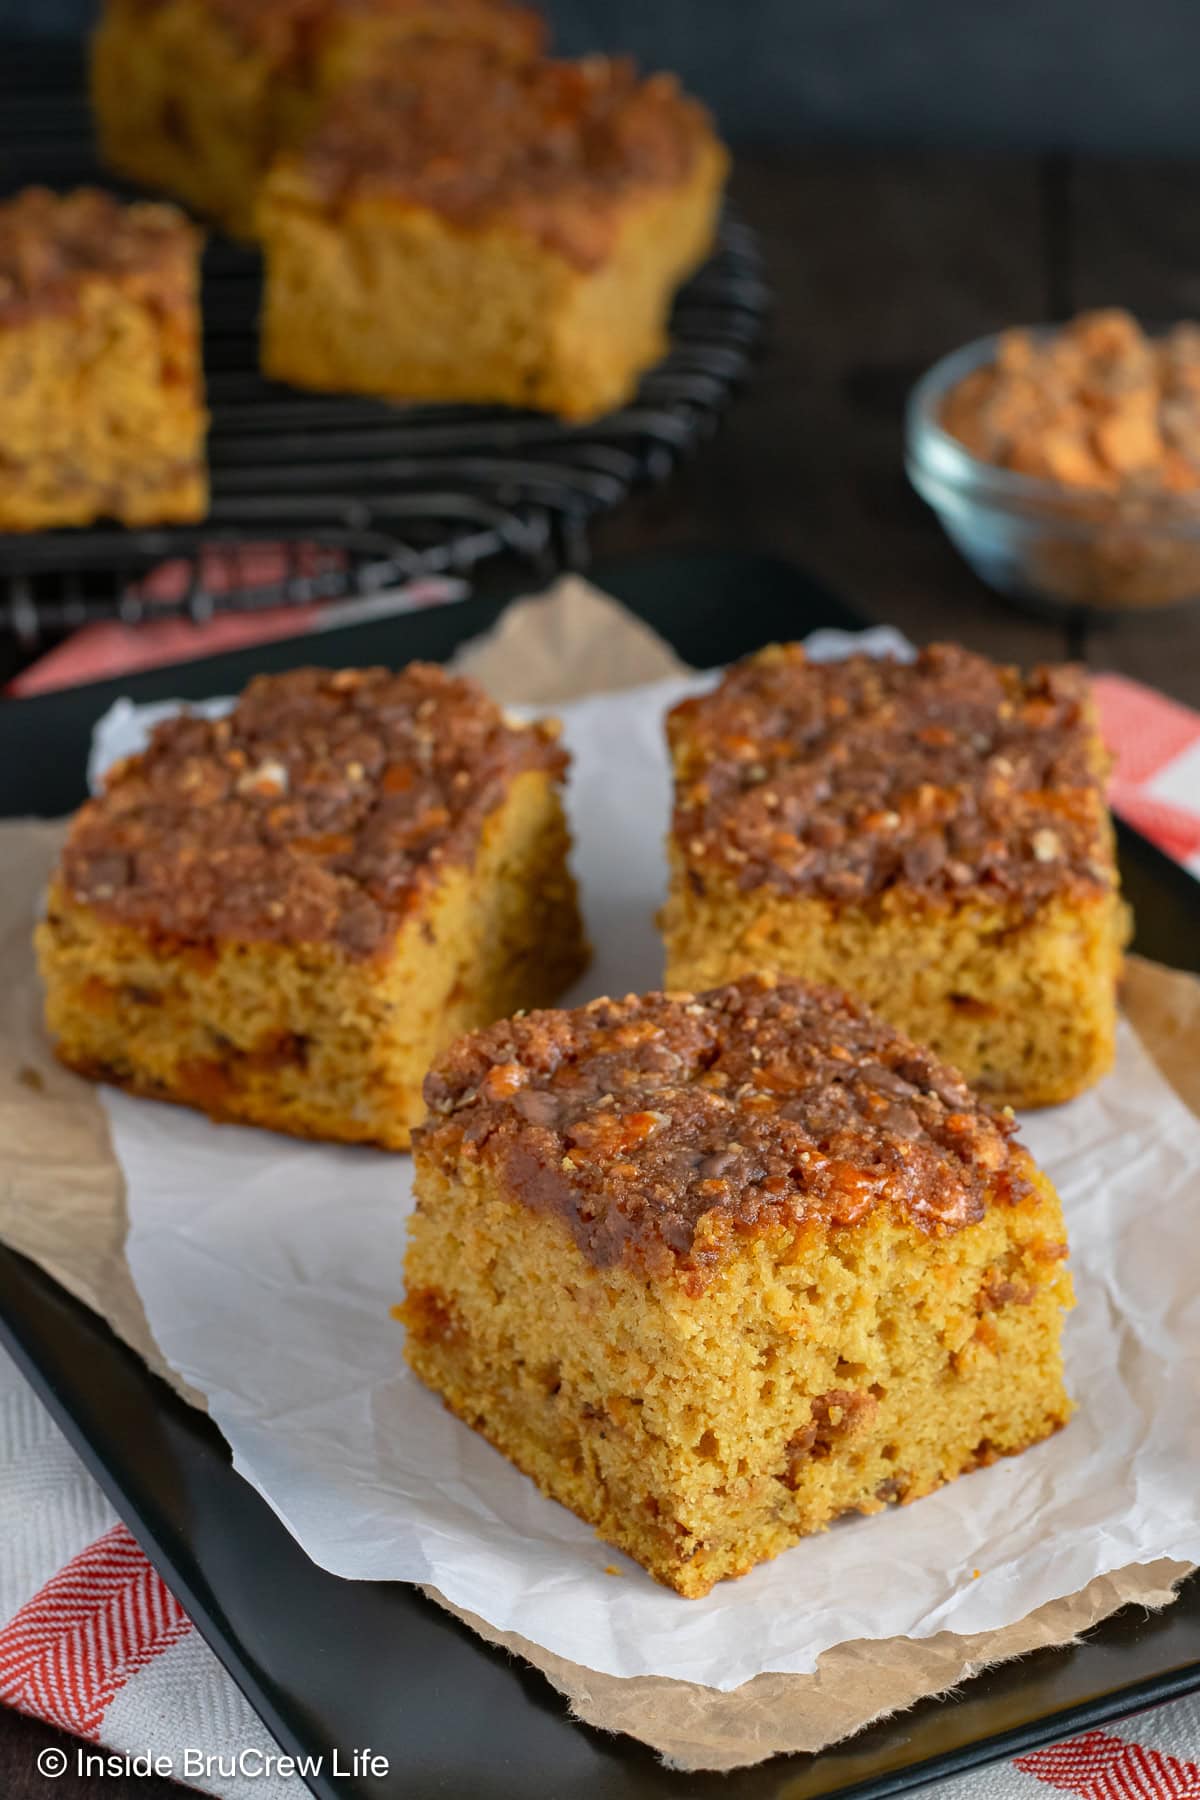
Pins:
x,y
338,1664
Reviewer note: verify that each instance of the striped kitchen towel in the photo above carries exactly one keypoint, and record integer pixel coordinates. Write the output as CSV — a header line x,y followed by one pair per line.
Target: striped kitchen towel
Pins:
x,y
92,1640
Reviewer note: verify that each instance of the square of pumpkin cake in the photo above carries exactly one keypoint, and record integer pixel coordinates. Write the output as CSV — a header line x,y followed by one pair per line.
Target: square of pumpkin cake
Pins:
x,y
715,1269
101,373
282,915
196,96
930,835
456,228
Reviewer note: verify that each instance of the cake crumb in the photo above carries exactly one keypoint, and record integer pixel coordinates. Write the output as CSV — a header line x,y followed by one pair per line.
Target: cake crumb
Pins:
x,y
668,1335
928,811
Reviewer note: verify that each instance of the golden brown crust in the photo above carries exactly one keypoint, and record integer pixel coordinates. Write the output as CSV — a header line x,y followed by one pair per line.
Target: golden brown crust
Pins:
x,y
288,32
948,776
549,148
51,244
665,1129
321,809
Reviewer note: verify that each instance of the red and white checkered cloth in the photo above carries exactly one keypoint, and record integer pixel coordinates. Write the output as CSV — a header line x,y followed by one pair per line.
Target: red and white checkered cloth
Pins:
x,y
91,1639
1155,783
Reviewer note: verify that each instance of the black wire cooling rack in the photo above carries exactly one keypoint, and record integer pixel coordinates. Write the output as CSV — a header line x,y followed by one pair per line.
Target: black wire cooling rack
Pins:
x,y
356,495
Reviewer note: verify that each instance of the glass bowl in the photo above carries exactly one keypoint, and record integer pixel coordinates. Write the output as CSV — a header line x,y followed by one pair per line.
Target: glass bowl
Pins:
x,y
1057,549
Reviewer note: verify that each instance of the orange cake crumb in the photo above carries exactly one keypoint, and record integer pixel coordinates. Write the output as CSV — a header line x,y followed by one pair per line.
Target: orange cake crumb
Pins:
x,y
281,916
932,836
459,229
716,1269
99,363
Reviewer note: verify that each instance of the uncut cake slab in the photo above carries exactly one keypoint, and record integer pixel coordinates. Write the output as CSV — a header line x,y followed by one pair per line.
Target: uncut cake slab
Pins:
x,y
267,1266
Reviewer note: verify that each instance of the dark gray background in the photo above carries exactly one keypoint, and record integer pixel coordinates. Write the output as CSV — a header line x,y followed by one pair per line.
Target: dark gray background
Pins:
x,y
1030,74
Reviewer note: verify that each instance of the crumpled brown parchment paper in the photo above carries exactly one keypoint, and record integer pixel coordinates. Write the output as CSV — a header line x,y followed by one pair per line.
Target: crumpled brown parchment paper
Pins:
x,y
62,1204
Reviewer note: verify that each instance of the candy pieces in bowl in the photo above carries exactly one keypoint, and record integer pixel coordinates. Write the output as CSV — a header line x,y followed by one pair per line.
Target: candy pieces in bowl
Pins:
x,y
1064,462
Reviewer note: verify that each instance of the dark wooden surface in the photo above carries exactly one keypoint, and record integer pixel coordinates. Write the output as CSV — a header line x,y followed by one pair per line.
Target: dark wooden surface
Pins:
x,y
880,263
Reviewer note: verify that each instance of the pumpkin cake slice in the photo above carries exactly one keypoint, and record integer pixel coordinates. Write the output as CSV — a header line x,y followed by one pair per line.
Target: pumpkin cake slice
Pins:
x,y
715,1270
459,229
100,363
281,916
931,836
195,97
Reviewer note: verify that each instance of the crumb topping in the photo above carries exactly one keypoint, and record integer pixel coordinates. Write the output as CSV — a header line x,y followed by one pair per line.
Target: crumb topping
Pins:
x,y
550,146
319,810
50,244
950,775
291,31
666,1127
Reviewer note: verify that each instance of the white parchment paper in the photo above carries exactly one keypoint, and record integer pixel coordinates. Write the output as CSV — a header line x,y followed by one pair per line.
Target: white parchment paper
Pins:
x,y
268,1268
